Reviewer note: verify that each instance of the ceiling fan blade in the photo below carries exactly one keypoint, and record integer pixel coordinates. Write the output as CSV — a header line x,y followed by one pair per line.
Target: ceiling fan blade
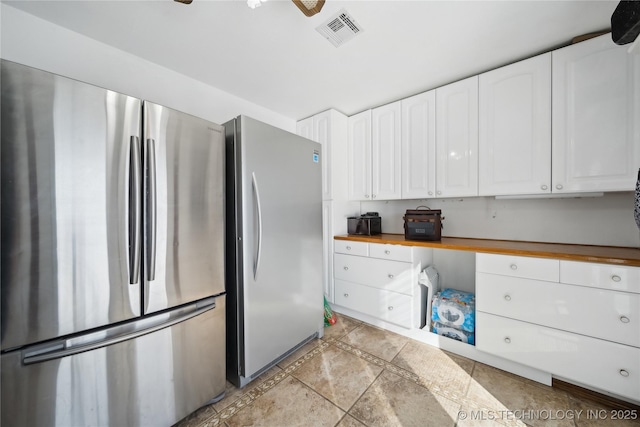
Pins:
x,y
309,7
184,1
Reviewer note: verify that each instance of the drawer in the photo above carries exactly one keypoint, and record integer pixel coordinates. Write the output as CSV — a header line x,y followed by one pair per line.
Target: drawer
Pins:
x,y
379,273
605,276
597,363
610,315
389,306
349,247
391,252
518,266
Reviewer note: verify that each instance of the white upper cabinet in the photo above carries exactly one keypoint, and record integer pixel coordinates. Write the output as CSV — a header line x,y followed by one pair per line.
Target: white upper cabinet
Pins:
x,y
457,139
386,162
329,128
359,156
374,154
419,146
515,129
596,111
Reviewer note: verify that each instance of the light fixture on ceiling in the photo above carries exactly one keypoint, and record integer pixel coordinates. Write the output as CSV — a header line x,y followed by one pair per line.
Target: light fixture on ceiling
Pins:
x,y
184,1
255,3
309,7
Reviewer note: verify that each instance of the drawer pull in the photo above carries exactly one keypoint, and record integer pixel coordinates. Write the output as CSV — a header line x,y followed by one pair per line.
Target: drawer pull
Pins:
x,y
387,252
507,340
514,267
390,307
348,248
624,372
390,276
624,319
507,297
346,268
346,295
615,278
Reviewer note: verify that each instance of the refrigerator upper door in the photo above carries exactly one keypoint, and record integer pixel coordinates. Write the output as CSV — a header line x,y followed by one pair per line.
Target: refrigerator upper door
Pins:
x,y
183,208
66,203
281,242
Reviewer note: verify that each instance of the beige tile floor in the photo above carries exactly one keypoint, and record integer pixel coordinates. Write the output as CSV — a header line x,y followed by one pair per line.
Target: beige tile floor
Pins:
x,y
358,375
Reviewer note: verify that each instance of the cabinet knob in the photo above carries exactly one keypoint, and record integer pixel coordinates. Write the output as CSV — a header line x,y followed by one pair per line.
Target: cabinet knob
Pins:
x,y
544,187
507,297
507,340
624,372
346,268
438,192
348,248
390,307
624,319
559,186
616,278
373,196
430,193
387,252
346,295
513,266
366,196
391,276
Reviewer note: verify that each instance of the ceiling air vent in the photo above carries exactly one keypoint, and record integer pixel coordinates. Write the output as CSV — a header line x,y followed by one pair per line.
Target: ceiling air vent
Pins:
x,y
340,28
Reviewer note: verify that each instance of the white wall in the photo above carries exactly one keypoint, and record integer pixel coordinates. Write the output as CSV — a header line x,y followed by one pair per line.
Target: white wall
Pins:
x,y
606,220
32,41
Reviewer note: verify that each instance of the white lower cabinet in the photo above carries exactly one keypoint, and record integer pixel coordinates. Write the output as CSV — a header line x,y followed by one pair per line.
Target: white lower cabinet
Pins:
x,y
601,364
380,280
579,321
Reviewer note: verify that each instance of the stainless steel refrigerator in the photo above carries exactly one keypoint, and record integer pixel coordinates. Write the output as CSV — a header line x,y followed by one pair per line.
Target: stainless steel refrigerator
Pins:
x,y
274,246
112,256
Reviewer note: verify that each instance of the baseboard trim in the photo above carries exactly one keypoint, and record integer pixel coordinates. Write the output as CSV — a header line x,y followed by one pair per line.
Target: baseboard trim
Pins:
x,y
602,399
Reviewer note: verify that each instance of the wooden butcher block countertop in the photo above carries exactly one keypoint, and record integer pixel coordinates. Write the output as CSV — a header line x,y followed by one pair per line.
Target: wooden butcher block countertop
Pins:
x,y
601,254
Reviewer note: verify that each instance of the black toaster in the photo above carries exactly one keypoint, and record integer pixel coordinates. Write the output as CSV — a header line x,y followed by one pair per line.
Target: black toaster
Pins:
x,y
368,224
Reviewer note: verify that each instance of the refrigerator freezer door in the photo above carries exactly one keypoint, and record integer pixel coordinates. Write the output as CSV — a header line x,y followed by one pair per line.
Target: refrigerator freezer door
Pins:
x,y
65,190
155,379
184,208
281,242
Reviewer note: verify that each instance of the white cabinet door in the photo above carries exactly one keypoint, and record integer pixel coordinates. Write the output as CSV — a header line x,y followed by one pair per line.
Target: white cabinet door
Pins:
x,y
457,139
419,146
385,152
329,128
515,128
322,134
305,128
595,107
359,155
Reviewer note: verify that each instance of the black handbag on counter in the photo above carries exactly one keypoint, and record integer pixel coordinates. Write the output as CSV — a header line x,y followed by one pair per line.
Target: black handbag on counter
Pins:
x,y
423,224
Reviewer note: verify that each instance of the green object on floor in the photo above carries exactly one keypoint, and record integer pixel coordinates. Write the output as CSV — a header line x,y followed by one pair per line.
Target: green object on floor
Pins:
x,y
329,315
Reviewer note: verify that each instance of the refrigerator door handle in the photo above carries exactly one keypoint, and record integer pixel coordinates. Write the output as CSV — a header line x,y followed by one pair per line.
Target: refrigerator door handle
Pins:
x,y
150,161
134,210
128,331
256,195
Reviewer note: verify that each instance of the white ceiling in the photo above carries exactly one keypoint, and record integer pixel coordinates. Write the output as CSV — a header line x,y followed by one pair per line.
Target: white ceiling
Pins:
x,y
274,57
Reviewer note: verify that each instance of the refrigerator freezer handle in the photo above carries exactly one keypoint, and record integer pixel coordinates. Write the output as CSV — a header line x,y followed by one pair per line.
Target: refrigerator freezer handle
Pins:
x,y
114,335
152,206
134,209
256,195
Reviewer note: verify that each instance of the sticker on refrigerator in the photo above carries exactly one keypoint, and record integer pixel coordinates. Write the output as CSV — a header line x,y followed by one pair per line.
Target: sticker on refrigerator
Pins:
x,y
316,156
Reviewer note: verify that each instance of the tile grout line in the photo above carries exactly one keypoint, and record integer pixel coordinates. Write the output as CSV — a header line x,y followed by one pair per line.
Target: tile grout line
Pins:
x,y
247,398
429,385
